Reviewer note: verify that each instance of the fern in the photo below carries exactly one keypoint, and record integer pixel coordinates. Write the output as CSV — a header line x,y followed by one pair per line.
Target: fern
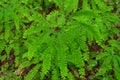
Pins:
x,y
46,57
55,75
32,73
116,67
110,56
56,35
61,56
70,5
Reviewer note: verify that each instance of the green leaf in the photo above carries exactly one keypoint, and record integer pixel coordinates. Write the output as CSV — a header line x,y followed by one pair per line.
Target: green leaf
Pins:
x,y
55,75
2,45
24,64
31,51
102,55
46,57
70,5
76,58
70,76
114,43
32,73
116,67
16,21
61,56
85,5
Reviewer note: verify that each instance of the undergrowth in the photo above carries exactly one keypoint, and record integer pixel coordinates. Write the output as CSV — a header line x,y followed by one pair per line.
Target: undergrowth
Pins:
x,y
60,39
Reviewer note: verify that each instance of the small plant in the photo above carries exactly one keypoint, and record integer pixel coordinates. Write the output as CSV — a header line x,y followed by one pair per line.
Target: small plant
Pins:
x,y
57,39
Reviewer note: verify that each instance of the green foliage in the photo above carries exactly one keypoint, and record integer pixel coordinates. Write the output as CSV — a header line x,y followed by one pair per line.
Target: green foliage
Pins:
x,y
52,39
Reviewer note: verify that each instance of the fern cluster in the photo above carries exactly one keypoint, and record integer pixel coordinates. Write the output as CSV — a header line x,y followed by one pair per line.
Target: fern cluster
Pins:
x,y
52,38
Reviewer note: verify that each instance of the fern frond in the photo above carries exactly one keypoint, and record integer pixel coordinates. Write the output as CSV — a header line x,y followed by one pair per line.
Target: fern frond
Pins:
x,y
46,57
32,73
82,43
102,6
31,51
24,64
116,67
70,76
76,58
61,56
59,3
70,5
2,43
85,5
55,75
